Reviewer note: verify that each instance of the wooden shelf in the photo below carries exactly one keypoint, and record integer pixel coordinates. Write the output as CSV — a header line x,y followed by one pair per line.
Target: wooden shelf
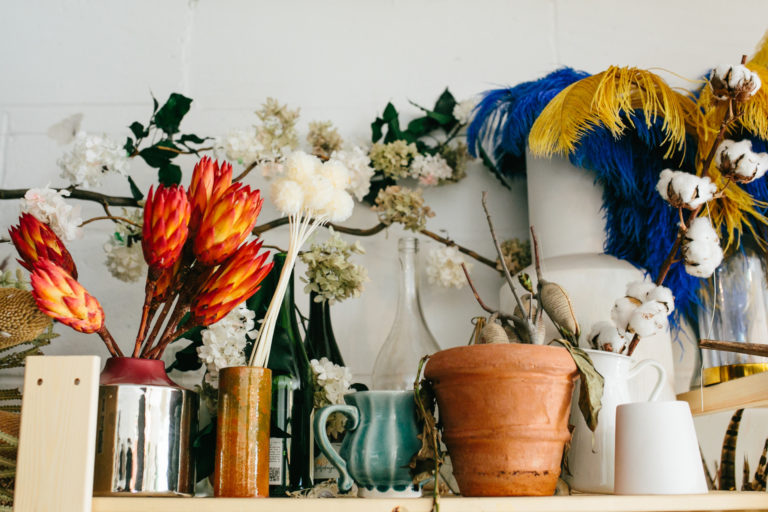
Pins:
x,y
578,503
751,391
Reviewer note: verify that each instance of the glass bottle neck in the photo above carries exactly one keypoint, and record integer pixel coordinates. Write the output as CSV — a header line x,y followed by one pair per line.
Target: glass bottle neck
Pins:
x,y
408,292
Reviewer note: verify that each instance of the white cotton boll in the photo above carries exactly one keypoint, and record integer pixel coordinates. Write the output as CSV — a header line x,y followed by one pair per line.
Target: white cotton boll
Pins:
x,y
701,230
735,81
340,207
640,289
683,189
301,167
605,333
648,319
622,311
335,172
732,150
662,295
287,196
701,248
737,161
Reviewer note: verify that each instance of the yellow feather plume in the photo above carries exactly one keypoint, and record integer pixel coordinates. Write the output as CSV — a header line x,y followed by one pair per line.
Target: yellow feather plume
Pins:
x,y
604,99
761,54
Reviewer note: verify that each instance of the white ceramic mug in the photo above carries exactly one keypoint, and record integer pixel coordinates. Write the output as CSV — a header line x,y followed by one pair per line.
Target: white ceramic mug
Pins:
x,y
590,457
657,451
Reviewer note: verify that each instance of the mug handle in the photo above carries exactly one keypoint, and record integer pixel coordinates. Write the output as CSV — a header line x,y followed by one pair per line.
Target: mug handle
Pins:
x,y
321,436
656,366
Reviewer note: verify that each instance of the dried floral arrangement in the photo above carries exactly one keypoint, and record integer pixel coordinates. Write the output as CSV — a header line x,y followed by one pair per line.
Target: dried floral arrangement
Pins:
x,y
725,474
696,159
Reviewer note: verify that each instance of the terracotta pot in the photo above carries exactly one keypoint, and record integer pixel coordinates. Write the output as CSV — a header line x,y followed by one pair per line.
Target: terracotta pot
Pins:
x,y
505,410
242,437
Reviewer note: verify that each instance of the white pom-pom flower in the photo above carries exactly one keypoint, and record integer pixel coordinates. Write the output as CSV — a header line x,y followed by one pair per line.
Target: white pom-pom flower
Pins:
x,y
335,172
701,248
318,193
685,190
737,161
340,207
287,195
301,167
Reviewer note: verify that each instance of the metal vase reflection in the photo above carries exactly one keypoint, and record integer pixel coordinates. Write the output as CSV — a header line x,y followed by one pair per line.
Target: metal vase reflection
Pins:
x,y
144,441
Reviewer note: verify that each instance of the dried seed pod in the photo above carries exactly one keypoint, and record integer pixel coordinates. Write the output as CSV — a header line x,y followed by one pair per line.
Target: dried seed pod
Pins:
x,y
526,300
493,333
20,320
556,302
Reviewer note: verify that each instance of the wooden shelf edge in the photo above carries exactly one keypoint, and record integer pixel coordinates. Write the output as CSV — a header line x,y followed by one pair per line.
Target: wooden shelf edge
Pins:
x,y
751,391
578,503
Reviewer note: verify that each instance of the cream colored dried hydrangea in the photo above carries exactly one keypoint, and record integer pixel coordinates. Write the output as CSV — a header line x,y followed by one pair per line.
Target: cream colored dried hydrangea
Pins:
x,y
517,254
457,156
394,158
124,256
402,205
444,267
329,272
323,138
277,132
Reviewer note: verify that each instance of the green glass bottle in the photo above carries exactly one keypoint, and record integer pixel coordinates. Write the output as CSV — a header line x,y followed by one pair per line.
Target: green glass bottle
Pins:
x,y
292,393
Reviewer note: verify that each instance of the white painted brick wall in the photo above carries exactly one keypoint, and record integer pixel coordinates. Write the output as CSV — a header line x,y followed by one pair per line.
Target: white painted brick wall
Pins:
x,y
340,60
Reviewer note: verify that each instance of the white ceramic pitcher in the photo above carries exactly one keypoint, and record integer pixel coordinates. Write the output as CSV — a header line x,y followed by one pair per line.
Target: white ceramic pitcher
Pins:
x,y
591,460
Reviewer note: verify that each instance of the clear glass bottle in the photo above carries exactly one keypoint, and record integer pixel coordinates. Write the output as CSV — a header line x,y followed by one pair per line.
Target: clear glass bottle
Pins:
x,y
409,339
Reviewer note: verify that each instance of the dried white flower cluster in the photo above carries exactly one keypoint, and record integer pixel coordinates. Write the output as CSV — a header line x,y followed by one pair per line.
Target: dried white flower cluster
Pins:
x,y
240,145
330,274
444,267
738,82
463,110
360,171
47,205
90,158
642,311
701,248
685,190
331,382
309,186
125,259
224,342
430,169
737,161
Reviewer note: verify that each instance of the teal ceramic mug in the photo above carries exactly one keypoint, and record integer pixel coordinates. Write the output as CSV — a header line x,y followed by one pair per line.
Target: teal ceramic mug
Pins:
x,y
381,438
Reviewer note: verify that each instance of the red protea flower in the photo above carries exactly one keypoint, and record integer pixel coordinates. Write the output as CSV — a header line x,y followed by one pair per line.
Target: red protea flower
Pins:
x,y
166,226
232,283
209,181
35,241
61,297
164,281
227,223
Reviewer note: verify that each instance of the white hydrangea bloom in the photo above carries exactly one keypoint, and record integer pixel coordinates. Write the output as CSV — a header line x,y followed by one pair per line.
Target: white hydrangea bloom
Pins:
x,y
90,158
463,110
701,248
332,381
737,161
125,259
48,206
444,267
239,145
224,342
683,189
430,169
360,171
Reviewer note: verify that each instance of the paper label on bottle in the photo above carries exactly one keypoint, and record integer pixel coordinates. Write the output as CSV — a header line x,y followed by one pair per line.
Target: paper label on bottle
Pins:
x,y
276,466
324,470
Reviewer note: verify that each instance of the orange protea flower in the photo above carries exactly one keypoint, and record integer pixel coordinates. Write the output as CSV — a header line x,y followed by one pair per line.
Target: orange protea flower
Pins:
x,y
35,241
164,281
61,297
236,280
166,226
209,181
227,223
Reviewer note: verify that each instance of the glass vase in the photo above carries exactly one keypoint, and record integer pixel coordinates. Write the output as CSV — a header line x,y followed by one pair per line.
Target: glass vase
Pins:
x,y
734,307
409,339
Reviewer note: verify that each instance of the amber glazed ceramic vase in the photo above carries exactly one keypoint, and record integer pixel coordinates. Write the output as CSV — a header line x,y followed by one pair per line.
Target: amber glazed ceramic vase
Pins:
x,y
242,437
505,411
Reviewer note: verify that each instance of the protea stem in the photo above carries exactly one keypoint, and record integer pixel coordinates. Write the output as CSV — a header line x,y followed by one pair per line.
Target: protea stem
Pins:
x,y
109,341
149,292
171,331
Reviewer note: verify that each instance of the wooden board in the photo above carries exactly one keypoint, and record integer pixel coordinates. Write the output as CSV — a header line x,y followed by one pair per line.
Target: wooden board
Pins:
x,y
751,391
578,503
58,434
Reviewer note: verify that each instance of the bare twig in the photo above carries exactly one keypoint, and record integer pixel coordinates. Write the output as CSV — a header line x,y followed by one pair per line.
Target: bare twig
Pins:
x,y
246,171
754,349
111,217
482,304
84,195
